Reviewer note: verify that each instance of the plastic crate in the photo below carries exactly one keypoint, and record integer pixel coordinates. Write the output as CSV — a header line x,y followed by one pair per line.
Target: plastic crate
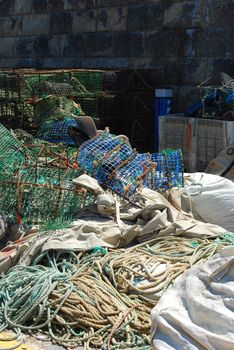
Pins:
x,y
175,132
212,136
199,139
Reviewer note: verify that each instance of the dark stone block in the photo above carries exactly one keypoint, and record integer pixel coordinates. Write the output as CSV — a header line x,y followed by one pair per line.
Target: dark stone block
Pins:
x,y
55,5
62,22
193,44
193,71
85,21
74,4
112,19
29,63
24,47
184,14
230,43
165,43
55,45
217,65
129,44
99,44
114,3
60,62
39,5
7,47
208,42
41,45
89,44
215,41
23,6
74,45
35,24
47,5
172,71
86,62
10,62
6,7
11,26
145,17
219,12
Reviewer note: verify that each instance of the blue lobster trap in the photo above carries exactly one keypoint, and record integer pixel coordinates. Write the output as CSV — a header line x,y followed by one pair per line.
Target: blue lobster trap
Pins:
x,y
57,131
112,161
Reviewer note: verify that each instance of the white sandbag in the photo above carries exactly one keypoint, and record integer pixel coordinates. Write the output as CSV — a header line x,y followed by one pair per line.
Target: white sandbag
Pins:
x,y
196,313
214,203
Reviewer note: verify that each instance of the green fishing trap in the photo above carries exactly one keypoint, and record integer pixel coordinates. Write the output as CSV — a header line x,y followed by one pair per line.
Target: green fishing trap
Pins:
x,y
36,195
23,84
55,107
36,180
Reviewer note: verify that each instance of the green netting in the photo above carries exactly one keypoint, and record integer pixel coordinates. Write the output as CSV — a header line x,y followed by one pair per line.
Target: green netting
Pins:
x,y
92,81
21,85
15,114
90,106
55,107
41,152
36,180
11,149
37,195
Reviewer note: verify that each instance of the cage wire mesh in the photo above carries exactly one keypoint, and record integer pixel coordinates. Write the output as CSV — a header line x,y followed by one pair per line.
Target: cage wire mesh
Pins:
x,y
15,114
52,88
169,169
47,153
36,195
57,131
22,84
112,161
36,180
12,151
55,107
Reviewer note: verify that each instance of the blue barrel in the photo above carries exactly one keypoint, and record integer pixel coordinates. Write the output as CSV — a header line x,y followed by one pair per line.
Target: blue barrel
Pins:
x,y
163,102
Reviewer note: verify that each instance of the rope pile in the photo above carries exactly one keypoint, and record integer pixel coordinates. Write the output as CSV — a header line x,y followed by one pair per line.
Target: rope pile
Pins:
x,y
99,299
147,270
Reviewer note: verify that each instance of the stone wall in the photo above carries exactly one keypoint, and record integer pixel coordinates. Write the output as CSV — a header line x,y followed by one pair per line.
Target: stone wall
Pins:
x,y
183,40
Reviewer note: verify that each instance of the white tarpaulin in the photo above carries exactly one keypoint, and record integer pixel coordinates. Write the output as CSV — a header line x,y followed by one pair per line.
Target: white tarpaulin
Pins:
x,y
215,202
197,312
210,198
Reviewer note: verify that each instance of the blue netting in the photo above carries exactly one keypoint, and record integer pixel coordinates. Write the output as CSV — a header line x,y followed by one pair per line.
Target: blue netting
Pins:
x,y
57,131
113,162
137,171
91,152
169,169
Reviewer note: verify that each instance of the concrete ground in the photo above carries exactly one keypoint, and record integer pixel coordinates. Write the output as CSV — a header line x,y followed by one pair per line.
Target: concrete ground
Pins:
x,y
31,343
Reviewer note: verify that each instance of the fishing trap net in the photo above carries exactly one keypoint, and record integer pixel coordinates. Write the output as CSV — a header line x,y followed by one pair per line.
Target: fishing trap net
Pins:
x,y
36,195
36,180
54,107
57,131
13,153
169,169
112,161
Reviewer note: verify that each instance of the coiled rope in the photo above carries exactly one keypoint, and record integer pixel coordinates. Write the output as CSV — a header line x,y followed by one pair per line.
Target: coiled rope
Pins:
x,y
99,299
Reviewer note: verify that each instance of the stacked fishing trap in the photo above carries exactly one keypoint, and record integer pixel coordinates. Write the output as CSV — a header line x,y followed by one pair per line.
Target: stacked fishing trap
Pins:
x,y
112,161
36,182
30,97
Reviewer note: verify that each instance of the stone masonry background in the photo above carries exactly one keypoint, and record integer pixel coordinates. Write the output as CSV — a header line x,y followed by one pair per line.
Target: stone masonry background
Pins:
x,y
182,40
